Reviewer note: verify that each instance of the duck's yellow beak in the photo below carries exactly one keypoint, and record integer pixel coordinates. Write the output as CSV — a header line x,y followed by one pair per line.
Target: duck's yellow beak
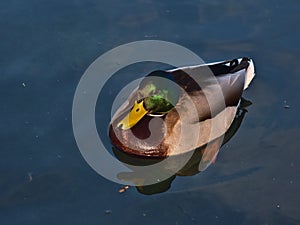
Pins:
x,y
134,116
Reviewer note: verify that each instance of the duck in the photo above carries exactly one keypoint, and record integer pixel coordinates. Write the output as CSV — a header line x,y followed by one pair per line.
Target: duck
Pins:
x,y
175,111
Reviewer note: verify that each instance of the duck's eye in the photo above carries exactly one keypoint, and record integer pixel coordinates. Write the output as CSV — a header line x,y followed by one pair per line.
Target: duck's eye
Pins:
x,y
138,109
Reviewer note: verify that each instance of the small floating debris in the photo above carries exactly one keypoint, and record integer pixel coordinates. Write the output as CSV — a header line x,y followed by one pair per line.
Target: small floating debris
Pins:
x,y
285,105
29,176
108,211
23,84
278,206
123,189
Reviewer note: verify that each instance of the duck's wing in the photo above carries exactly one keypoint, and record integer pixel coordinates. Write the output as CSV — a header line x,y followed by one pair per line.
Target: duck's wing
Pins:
x,y
215,109
234,67
211,85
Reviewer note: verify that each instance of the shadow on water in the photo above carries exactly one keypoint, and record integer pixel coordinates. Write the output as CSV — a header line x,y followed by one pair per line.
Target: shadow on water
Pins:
x,y
200,160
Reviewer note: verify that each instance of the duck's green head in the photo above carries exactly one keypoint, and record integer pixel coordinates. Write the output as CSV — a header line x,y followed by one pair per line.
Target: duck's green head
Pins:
x,y
157,95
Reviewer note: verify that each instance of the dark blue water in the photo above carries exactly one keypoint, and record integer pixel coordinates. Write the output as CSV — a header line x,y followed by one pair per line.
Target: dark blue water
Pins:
x,y
45,46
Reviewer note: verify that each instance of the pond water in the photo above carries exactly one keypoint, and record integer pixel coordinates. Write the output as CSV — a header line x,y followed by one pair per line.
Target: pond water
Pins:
x,y
45,48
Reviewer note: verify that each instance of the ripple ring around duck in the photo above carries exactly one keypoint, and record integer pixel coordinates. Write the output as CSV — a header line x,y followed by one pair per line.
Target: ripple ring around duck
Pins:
x,y
88,90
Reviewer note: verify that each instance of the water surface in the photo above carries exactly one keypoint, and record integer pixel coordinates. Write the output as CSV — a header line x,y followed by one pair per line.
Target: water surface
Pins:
x,y
46,46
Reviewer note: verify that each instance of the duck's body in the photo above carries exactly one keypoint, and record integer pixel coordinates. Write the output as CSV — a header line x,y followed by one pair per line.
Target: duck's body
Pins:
x,y
205,108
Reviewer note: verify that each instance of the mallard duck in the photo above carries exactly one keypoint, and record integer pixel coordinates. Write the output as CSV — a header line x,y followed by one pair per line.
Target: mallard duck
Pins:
x,y
178,110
